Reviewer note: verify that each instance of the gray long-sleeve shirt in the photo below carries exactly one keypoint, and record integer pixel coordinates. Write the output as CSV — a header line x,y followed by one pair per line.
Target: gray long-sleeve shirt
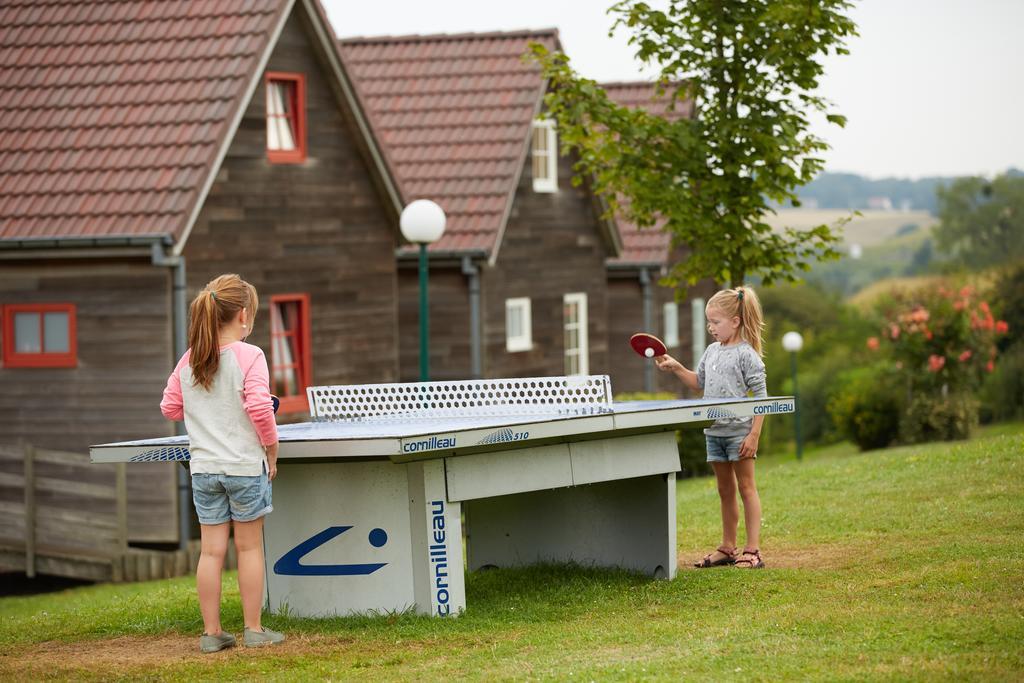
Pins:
x,y
731,372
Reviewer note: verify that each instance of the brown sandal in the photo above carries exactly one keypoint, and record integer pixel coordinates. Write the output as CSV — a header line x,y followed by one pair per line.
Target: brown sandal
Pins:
x,y
730,558
750,559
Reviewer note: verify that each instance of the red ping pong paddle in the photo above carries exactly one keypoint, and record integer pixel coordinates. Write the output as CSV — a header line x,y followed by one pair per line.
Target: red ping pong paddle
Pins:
x,y
647,345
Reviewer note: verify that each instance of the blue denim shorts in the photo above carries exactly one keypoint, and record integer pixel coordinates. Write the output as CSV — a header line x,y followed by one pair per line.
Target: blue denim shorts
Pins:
x,y
724,448
220,497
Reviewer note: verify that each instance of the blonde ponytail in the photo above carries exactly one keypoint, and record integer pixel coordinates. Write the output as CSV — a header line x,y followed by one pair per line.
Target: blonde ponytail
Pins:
x,y
751,317
216,305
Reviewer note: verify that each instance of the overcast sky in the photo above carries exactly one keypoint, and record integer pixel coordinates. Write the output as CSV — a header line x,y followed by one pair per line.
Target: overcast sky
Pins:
x,y
931,87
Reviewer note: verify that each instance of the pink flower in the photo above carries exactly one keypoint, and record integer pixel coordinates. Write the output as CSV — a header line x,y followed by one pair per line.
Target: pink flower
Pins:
x,y
984,306
873,343
990,366
959,305
936,363
928,334
894,331
1002,327
966,355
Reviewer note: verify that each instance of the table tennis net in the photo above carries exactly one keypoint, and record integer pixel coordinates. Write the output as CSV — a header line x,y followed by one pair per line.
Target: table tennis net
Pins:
x,y
576,394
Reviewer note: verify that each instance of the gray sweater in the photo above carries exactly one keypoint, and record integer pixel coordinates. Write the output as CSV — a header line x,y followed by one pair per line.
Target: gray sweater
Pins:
x,y
731,371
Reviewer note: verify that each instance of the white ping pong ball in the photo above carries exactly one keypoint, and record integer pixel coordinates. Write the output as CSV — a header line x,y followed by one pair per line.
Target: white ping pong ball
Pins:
x,y
649,352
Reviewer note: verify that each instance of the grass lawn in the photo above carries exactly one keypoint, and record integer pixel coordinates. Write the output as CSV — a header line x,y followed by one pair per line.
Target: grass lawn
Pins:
x,y
904,564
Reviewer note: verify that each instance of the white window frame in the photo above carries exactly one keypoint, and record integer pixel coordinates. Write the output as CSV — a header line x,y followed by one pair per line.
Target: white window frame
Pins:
x,y
548,183
670,319
523,341
582,351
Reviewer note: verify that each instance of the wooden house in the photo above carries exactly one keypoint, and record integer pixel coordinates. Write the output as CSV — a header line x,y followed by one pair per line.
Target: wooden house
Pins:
x,y
146,147
518,281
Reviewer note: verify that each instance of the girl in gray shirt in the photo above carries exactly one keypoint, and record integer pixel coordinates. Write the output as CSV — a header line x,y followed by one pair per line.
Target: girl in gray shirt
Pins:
x,y
731,368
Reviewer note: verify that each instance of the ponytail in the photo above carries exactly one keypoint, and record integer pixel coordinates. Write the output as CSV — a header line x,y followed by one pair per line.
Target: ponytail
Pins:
x,y
751,317
742,303
214,306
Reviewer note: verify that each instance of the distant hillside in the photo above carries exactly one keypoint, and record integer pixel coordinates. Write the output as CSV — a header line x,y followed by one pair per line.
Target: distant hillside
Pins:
x,y
870,229
851,191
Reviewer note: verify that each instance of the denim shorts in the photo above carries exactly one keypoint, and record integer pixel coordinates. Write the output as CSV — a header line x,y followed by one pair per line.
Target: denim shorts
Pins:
x,y
724,448
220,497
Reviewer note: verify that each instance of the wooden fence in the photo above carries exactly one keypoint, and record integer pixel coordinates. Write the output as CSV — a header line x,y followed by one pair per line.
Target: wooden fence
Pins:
x,y
64,516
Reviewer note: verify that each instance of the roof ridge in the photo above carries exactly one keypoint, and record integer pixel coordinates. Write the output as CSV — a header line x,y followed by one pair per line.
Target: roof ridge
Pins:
x,y
431,37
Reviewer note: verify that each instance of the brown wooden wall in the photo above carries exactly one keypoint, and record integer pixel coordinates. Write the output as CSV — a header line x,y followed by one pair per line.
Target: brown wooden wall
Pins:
x,y
319,228
552,246
450,351
124,357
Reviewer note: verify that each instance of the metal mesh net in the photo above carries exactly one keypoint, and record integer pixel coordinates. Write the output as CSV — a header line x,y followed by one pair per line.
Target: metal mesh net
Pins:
x,y
577,394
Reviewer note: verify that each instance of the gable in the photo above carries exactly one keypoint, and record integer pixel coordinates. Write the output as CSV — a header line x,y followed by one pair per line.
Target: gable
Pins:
x,y
111,112
114,116
453,115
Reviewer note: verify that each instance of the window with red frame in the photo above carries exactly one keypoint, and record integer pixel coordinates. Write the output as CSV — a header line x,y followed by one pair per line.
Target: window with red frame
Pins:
x,y
290,369
39,336
286,117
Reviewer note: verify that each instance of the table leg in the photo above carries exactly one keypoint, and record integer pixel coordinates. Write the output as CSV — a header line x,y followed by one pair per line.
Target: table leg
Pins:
x,y
436,528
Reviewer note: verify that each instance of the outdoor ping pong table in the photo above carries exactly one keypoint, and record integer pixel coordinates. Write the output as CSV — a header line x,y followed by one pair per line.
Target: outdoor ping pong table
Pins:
x,y
375,498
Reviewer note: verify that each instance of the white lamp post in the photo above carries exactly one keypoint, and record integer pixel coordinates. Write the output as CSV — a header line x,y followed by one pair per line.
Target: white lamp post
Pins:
x,y
793,342
423,222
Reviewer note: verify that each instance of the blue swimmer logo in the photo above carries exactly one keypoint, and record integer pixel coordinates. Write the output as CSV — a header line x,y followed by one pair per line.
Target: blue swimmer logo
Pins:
x,y
290,563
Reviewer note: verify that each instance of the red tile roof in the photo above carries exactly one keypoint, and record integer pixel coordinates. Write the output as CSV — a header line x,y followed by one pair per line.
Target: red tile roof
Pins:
x,y
112,113
647,246
453,115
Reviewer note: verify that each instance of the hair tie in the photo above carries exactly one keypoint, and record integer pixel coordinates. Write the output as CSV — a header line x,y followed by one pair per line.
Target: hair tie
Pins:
x,y
213,294
739,294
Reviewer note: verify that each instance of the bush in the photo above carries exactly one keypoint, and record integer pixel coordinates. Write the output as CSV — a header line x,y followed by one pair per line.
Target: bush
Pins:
x,y
689,439
943,344
866,406
934,417
942,339
1009,299
1002,394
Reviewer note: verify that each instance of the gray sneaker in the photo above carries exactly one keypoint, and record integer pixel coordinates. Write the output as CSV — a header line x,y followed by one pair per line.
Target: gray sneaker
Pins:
x,y
216,643
264,637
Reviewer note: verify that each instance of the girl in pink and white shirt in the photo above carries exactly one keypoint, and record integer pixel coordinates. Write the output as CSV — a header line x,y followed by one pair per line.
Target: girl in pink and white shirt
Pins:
x,y
221,389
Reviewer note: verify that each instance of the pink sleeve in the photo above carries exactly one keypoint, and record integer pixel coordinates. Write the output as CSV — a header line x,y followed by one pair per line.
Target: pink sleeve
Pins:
x,y
256,391
172,405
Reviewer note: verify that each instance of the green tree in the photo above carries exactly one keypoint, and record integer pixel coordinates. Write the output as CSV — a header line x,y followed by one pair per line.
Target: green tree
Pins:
x,y
752,67
981,222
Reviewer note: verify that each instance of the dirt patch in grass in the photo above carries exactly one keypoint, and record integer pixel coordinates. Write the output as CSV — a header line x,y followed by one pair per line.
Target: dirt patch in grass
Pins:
x,y
803,557
126,654
133,656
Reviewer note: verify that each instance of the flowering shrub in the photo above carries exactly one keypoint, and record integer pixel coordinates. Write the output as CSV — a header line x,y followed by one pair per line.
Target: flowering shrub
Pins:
x,y
941,340
942,343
